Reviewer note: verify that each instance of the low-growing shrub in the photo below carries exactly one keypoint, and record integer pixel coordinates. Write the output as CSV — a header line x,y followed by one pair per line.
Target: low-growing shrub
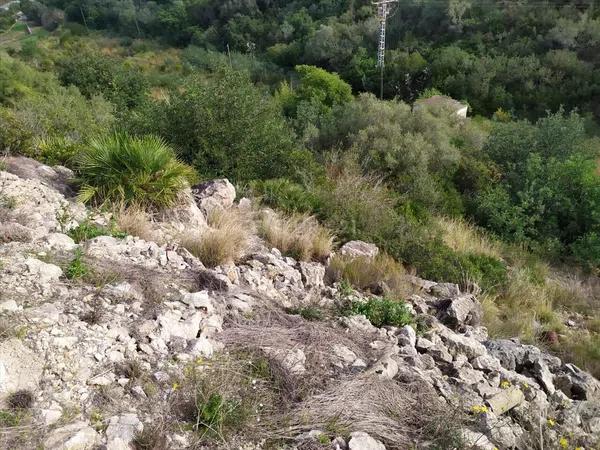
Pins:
x,y
309,313
55,150
369,273
434,260
383,311
224,242
124,170
15,137
228,395
286,195
298,236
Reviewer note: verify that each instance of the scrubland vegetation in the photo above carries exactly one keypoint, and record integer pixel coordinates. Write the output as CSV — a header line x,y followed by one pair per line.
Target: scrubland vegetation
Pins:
x,y
141,99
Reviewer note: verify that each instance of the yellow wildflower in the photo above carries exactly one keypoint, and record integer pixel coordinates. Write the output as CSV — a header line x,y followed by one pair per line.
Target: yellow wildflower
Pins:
x,y
479,409
550,422
563,442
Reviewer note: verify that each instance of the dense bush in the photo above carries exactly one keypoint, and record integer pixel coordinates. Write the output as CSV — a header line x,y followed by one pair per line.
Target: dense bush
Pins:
x,y
226,127
435,261
285,194
123,170
14,136
95,74
548,191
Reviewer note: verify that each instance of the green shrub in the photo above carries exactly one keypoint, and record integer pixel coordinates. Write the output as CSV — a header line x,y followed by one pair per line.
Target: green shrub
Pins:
x,y
586,250
434,260
55,150
226,127
15,137
309,313
77,268
383,311
123,170
286,195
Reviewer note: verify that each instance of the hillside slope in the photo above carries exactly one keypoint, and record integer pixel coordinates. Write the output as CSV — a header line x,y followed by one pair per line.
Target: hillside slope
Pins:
x,y
120,341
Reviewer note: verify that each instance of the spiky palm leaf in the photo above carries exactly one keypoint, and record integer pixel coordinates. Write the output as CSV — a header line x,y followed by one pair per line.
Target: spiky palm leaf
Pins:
x,y
122,169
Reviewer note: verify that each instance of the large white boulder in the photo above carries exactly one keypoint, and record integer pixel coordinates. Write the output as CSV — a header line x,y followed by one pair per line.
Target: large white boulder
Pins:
x,y
215,194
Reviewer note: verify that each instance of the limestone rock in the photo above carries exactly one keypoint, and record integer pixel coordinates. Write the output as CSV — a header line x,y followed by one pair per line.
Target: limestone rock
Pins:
x,y
20,368
463,310
505,400
75,436
214,194
121,430
362,441
358,249
43,272
60,242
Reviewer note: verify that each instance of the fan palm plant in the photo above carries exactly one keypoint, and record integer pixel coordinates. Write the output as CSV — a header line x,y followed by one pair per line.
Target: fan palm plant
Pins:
x,y
125,170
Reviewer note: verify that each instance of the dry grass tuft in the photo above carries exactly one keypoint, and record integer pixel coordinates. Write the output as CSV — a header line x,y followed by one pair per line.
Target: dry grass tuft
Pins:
x,y
400,415
20,400
231,394
135,222
225,241
524,309
151,438
378,274
299,236
464,237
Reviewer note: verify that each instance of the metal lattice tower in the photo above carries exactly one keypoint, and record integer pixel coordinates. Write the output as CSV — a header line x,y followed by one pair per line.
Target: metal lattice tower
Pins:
x,y
383,11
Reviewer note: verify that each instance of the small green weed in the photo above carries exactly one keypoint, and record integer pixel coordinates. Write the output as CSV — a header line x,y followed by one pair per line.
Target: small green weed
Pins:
x,y
9,419
309,313
383,311
77,268
87,230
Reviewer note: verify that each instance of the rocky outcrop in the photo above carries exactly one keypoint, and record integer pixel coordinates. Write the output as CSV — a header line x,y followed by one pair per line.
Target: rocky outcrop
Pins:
x,y
81,345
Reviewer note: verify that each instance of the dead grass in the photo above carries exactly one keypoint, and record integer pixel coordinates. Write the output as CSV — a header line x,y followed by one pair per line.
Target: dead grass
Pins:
x,y
379,274
400,415
224,242
464,237
524,309
231,394
135,222
288,333
299,236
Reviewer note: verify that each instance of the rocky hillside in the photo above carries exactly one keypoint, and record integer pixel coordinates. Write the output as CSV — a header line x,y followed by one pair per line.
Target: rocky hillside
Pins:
x,y
117,342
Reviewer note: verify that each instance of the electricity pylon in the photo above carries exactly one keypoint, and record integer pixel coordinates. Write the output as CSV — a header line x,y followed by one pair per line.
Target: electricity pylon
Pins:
x,y
383,11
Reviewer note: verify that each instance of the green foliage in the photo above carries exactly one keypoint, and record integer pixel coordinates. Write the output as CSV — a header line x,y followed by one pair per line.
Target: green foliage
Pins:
x,y
96,74
9,419
318,85
286,195
383,311
77,268
87,230
309,313
549,189
14,137
123,170
55,150
226,127
435,261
